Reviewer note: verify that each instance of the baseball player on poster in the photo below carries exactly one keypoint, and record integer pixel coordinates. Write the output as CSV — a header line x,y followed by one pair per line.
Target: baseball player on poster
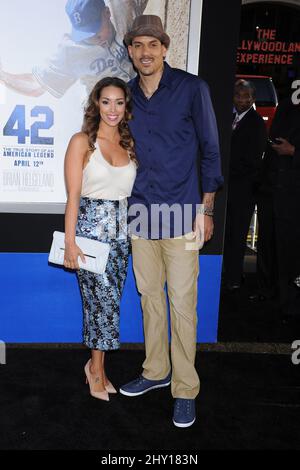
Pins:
x,y
93,49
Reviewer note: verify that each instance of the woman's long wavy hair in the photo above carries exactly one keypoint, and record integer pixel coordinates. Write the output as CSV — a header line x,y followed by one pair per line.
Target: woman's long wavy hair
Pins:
x,y
91,120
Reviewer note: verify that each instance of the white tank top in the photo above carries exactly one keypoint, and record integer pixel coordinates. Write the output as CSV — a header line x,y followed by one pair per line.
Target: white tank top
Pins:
x,y
101,180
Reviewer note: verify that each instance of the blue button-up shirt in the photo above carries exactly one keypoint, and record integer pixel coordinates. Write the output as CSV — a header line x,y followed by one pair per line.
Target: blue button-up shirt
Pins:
x,y
169,129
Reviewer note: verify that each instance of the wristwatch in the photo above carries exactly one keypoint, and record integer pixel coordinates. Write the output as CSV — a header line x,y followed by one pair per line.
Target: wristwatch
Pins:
x,y
206,211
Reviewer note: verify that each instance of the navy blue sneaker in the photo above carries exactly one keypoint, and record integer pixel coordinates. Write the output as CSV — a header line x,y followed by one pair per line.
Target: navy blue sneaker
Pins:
x,y
141,385
184,412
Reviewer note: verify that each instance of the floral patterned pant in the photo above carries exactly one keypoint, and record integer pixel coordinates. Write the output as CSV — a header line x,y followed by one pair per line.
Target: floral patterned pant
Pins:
x,y
106,221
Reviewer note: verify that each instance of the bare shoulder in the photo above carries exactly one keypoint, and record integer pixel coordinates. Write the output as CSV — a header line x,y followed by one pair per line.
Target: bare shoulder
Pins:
x,y
78,148
79,141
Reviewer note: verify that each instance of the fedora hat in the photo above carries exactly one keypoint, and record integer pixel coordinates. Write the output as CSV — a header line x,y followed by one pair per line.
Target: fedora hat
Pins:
x,y
147,25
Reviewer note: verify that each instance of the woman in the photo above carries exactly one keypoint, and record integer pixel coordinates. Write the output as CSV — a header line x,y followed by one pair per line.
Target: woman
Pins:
x,y
100,169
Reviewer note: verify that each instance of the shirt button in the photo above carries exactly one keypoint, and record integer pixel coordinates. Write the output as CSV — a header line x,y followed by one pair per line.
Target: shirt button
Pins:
x,y
149,150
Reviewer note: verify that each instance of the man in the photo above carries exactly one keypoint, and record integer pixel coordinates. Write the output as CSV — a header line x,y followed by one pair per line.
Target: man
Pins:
x,y
278,249
90,52
248,141
173,118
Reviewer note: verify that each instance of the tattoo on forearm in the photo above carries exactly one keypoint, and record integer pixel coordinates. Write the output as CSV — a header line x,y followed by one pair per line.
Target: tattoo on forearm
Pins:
x,y
209,200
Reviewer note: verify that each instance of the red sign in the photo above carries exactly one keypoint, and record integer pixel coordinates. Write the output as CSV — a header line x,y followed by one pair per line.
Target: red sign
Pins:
x,y
266,50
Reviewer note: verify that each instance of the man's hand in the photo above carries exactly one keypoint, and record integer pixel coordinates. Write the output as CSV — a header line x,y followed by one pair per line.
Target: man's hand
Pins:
x,y
208,221
203,228
284,148
208,227
198,229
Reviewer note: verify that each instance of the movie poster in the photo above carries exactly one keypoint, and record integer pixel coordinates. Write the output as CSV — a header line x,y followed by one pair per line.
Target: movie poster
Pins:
x,y
48,65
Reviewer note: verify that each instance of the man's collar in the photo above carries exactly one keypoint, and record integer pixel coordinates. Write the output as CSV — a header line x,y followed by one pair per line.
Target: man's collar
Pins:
x,y
135,81
241,115
166,78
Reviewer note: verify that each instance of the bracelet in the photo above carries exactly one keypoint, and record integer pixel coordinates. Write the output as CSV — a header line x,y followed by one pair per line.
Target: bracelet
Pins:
x,y
206,211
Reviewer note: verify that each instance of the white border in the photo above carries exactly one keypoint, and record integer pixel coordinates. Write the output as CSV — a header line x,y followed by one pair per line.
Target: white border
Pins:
x,y
32,207
194,36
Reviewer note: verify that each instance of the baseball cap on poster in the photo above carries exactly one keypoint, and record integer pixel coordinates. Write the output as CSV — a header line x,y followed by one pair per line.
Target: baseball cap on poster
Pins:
x,y
85,16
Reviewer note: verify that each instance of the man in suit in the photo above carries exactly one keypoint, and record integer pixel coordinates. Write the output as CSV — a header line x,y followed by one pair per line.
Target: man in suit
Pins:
x,y
248,142
278,250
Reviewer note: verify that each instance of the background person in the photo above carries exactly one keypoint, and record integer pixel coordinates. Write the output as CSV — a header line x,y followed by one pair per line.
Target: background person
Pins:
x,y
248,142
100,170
278,247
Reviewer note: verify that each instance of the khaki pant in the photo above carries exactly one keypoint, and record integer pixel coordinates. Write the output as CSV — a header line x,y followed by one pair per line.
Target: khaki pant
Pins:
x,y
156,262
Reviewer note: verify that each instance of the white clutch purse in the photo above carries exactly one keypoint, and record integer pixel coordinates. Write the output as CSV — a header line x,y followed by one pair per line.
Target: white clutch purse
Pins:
x,y
95,252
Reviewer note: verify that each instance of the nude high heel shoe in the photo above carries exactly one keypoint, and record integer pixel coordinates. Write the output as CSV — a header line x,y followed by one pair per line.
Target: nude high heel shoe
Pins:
x,y
110,388
101,395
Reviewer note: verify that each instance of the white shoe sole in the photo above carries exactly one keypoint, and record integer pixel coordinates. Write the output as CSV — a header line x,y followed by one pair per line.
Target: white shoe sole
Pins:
x,y
184,425
135,394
